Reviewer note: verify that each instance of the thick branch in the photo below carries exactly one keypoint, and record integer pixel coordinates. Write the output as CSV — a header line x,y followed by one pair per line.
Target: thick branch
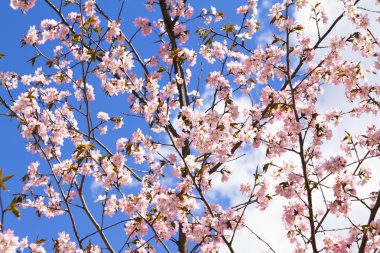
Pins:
x,y
372,216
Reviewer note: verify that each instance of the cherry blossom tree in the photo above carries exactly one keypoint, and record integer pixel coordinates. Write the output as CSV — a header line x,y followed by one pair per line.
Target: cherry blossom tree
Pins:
x,y
158,111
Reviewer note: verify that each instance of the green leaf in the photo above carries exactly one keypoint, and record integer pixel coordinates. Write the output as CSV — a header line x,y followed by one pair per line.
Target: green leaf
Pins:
x,y
25,178
67,2
13,206
221,14
98,30
40,241
5,179
298,28
276,39
228,28
33,59
161,69
93,56
49,63
266,167
16,212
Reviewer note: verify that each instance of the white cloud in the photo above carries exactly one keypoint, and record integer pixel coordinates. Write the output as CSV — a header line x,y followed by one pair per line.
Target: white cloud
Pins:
x,y
96,188
268,224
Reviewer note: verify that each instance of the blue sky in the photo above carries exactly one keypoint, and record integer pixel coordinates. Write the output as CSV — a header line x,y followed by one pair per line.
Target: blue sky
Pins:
x,y
13,157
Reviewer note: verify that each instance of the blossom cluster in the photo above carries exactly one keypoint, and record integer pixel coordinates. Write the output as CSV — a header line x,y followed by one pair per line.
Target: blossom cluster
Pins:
x,y
179,124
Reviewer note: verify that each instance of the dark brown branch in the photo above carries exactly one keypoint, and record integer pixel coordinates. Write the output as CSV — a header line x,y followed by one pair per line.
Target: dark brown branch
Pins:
x,y
371,218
